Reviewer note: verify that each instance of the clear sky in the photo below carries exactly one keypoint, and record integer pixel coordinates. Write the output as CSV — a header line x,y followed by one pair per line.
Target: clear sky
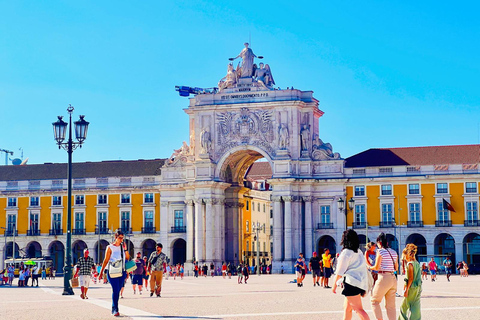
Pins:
x,y
387,73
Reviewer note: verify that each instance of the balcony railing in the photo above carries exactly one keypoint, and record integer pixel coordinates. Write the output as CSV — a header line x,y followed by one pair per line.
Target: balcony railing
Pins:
x,y
443,223
126,230
101,230
78,231
33,232
179,229
149,230
472,223
9,233
414,224
323,225
359,225
386,224
55,232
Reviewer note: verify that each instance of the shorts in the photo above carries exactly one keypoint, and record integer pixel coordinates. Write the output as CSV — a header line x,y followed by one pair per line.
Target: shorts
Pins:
x,y
448,270
327,272
433,272
350,291
83,281
316,273
299,274
137,279
145,276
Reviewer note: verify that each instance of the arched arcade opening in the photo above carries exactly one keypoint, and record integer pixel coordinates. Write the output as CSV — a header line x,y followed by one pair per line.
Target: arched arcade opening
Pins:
x,y
471,248
179,251
57,253
34,250
419,240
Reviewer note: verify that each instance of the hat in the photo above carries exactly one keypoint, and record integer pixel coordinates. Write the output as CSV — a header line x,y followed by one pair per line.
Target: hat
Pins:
x,y
314,253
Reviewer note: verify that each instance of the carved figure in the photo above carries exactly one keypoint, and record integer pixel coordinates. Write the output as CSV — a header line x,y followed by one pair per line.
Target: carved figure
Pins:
x,y
205,141
192,143
263,75
246,67
177,153
283,136
323,151
229,80
305,136
317,142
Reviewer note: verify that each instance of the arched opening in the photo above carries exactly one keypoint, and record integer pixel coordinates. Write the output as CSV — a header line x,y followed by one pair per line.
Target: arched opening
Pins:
x,y
8,249
326,242
421,243
363,241
148,246
179,251
471,248
77,250
100,250
392,242
57,253
444,246
34,250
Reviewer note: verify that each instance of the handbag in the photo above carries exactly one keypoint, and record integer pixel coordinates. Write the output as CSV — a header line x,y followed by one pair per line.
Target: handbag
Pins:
x,y
396,273
74,282
130,266
115,268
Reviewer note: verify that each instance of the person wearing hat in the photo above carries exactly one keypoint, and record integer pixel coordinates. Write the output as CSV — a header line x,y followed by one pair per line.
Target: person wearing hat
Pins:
x,y
314,266
85,265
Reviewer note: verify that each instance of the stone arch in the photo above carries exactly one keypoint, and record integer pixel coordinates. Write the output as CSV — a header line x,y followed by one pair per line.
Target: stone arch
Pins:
x,y
130,247
77,250
100,250
326,242
33,250
179,251
392,242
56,250
471,248
148,246
421,243
444,245
8,249
363,241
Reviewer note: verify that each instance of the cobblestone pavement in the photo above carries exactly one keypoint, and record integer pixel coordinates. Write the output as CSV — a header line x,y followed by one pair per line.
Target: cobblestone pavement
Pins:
x,y
264,297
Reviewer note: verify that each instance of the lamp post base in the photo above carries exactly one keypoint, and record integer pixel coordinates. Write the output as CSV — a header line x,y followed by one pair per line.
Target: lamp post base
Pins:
x,y
68,292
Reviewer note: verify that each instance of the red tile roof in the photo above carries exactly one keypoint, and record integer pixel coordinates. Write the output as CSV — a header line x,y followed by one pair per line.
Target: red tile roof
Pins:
x,y
259,171
435,155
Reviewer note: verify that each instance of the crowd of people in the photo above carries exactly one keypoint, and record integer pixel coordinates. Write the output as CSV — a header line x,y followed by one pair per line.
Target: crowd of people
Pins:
x,y
25,273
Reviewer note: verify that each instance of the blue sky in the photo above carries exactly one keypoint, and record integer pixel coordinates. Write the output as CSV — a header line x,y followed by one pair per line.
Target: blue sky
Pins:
x,y
387,73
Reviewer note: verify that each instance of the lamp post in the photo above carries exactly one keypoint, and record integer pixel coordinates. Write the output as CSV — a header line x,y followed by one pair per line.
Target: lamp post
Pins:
x,y
257,228
341,206
5,247
98,243
59,130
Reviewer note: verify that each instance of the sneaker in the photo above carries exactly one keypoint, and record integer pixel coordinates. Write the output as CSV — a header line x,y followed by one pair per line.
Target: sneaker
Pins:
x,y
318,284
134,291
158,295
151,294
314,284
116,314
140,292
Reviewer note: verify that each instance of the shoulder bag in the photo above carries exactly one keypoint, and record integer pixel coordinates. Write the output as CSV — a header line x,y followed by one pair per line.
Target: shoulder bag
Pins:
x,y
396,272
115,268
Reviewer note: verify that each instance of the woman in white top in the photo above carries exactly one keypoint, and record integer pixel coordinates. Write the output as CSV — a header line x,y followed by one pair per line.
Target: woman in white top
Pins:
x,y
386,263
352,268
114,253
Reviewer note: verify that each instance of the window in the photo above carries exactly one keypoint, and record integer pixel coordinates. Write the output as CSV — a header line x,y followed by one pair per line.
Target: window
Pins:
x,y
57,221
414,189
264,208
258,207
80,200
102,199
325,214
472,211
102,220
387,212
253,246
271,230
248,246
360,213
247,204
34,202
442,188
247,226
34,221
125,223
11,223
125,198
271,213
178,218
442,213
359,191
471,187
12,202
148,223
57,201
253,206
79,223
414,212
386,190
148,198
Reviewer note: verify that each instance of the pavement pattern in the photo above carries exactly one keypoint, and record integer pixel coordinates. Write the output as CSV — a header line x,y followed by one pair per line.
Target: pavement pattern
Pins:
x,y
264,297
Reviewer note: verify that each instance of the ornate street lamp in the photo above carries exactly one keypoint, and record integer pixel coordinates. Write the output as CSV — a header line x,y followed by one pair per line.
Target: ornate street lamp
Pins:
x,y
341,207
59,130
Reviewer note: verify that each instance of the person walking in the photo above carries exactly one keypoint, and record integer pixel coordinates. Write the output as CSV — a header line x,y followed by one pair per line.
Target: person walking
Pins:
x,y
352,268
424,271
465,269
386,263
314,266
116,252
10,272
410,308
447,263
327,267
370,257
299,267
137,278
44,274
432,266
35,274
28,273
245,273
156,264
239,274
85,265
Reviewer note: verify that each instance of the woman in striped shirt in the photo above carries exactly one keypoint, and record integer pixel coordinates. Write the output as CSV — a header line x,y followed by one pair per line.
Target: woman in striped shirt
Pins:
x,y
386,263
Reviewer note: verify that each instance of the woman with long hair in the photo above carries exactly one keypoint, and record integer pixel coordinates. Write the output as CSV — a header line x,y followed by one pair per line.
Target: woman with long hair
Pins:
x,y
386,264
410,309
115,252
352,268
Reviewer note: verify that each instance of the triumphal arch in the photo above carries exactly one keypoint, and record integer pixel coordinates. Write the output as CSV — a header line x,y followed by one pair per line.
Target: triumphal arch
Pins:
x,y
247,118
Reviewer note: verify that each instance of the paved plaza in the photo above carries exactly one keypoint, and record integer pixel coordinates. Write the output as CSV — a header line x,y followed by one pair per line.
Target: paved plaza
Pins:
x,y
264,297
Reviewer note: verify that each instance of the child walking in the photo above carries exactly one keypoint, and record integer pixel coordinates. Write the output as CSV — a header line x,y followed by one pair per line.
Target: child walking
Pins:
x,y
410,309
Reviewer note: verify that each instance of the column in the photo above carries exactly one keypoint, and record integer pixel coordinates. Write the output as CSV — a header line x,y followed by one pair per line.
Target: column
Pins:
x,y
236,230
164,224
209,230
459,252
190,231
288,228
199,230
218,205
277,229
308,227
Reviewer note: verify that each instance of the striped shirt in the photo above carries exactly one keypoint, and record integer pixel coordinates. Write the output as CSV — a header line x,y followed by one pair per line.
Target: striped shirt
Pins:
x,y
387,263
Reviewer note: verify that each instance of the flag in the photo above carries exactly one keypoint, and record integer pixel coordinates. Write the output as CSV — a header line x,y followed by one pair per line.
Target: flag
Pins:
x,y
448,206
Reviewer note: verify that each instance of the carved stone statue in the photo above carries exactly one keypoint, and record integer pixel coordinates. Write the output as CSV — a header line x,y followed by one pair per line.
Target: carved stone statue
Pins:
x,y
178,153
205,141
305,137
263,75
229,80
283,136
323,151
192,143
246,67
